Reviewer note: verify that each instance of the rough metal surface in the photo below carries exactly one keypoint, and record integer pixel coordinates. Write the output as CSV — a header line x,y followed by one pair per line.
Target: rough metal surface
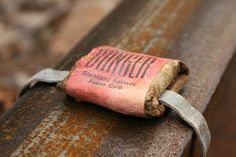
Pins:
x,y
223,127
190,115
45,122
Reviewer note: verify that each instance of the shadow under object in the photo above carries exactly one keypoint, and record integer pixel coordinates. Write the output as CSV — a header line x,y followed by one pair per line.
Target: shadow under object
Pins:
x,y
200,33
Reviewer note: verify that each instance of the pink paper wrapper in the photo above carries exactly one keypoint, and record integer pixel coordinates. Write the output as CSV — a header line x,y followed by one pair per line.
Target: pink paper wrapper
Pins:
x,y
115,79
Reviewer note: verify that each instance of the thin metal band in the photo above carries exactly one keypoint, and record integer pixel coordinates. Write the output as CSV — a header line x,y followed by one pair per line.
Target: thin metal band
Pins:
x,y
171,99
190,115
46,75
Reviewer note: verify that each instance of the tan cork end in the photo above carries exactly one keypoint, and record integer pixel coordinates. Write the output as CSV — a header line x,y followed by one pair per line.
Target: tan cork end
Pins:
x,y
172,76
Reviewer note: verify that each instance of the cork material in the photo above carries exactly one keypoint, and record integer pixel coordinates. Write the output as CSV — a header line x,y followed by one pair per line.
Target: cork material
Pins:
x,y
172,76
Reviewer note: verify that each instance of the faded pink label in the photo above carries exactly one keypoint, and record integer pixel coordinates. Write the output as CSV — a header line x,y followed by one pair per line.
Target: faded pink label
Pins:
x,y
114,78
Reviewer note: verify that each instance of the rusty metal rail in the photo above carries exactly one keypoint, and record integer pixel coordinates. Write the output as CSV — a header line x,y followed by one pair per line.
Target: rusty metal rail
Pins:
x,y
46,122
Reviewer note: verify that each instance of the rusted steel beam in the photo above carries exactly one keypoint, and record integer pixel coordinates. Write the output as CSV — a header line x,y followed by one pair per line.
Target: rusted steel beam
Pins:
x,y
223,127
45,122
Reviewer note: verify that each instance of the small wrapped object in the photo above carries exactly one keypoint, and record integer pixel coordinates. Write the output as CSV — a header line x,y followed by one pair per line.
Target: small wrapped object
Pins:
x,y
129,83
126,82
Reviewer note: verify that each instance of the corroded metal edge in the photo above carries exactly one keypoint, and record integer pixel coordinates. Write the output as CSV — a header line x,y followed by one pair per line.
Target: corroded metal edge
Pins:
x,y
44,122
190,115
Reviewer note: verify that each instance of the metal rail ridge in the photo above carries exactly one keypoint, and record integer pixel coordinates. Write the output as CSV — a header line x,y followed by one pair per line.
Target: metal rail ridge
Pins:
x,y
46,122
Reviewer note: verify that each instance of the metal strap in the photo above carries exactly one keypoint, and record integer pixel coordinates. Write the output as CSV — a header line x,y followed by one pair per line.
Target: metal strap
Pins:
x,y
190,115
171,99
46,75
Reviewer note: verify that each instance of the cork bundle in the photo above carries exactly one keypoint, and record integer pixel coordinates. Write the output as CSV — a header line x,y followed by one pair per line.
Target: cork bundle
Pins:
x,y
126,82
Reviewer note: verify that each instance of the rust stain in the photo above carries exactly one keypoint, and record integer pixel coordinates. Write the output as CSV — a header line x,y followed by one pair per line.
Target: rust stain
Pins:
x,y
143,31
158,32
172,30
79,131
68,131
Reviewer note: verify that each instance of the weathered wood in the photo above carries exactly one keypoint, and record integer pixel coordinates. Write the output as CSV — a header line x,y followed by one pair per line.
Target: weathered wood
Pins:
x,y
45,122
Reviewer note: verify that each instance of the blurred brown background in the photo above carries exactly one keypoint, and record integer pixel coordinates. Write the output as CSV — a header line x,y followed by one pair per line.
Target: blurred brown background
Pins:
x,y
36,34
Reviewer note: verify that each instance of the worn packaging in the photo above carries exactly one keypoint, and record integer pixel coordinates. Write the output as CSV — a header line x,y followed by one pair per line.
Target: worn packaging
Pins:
x,y
126,82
